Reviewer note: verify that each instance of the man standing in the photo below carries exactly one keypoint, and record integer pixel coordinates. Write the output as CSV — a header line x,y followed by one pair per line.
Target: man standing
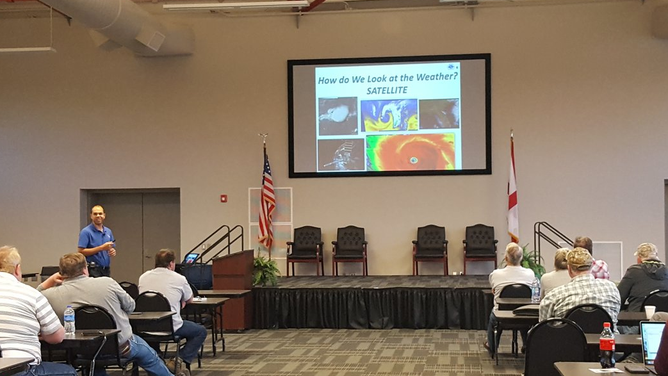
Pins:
x,y
25,317
500,278
78,289
582,289
176,289
647,275
96,242
599,268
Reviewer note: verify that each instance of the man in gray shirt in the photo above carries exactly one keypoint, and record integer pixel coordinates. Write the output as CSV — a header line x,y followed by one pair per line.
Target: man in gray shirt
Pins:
x,y
79,289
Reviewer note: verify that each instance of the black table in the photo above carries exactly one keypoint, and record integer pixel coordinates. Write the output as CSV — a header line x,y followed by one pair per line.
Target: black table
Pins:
x,y
83,338
214,307
582,369
12,366
224,293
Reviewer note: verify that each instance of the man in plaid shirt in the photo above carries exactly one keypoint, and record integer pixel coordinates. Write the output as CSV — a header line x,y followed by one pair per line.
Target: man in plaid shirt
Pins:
x,y
599,268
582,289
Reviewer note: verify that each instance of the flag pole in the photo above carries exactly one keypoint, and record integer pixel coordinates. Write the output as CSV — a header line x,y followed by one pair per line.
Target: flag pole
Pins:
x,y
513,208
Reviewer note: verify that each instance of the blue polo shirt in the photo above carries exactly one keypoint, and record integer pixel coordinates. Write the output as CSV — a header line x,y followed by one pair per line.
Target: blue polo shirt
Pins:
x,y
91,237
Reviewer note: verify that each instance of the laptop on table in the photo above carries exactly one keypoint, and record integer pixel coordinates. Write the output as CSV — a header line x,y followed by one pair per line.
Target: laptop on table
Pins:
x,y
190,258
650,338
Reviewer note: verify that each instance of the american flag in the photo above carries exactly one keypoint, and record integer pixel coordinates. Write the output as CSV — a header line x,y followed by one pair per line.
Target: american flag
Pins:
x,y
267,205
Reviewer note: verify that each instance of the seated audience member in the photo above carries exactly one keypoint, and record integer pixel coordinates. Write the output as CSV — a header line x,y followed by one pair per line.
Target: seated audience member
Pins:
x,y
647,275
599,268
661,361
512,273
582,289
176,289
559,276
25,317
79,289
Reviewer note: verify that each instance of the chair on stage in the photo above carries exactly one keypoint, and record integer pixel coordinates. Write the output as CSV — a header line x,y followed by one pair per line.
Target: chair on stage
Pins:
x,y
479,244
94,318
657,298
550,341
590,317
430,246
130,288
305,248
156,332
516,290
349,246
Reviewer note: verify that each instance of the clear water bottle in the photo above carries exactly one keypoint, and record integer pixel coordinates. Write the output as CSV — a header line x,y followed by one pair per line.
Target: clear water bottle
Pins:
x,y
607,346
535,291
68,318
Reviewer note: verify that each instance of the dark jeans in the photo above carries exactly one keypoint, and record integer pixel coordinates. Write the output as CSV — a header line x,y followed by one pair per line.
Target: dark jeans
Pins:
x,y
195,335
98,271
48,368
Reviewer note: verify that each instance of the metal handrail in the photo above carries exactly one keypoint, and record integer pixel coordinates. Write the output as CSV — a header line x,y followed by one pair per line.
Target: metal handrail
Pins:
x,y
539,234
227,235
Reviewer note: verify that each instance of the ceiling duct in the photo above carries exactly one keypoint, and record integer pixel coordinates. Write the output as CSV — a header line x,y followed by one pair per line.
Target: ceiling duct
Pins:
x,y
124,23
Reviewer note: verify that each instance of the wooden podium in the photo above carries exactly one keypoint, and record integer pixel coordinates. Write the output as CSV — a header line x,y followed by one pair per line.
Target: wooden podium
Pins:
x,y
235,272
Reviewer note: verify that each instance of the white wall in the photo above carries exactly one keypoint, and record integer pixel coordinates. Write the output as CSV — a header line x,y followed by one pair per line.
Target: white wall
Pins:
x,y
583,87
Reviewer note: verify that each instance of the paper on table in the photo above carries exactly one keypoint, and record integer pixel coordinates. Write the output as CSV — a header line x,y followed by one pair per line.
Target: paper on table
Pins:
x,y
606,370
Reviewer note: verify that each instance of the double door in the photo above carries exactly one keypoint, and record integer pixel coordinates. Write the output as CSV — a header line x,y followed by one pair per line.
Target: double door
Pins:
x,y
143,222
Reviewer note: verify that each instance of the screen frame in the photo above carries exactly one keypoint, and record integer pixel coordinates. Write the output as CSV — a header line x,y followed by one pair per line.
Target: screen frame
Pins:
x,y
485,57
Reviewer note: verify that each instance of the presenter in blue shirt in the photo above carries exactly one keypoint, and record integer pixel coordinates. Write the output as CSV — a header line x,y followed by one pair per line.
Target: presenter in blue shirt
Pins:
x,y
96,242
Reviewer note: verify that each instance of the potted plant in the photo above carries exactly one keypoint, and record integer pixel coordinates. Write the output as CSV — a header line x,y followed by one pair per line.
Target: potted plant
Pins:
x,y
531,260
265,271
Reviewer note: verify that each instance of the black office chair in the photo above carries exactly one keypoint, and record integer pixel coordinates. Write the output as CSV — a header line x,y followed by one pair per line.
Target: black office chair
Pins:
x,y
550,341
516,290
657,298
590,317
156,332
305,248
349,246
430,246
95,317
480,244
130,288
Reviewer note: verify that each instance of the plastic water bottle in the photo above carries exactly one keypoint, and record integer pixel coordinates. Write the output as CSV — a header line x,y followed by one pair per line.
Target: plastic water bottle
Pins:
x,y
607,346
535,291
68,318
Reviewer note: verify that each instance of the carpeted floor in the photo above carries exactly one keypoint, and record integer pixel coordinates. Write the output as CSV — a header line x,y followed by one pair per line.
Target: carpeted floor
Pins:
x,y
339,352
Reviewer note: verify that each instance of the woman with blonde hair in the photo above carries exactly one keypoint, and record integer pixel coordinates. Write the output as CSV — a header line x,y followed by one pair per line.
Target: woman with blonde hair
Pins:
x,y
559,276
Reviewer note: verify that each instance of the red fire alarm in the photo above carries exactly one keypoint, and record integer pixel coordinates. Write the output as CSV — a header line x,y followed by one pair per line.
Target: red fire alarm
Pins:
x,y
223,198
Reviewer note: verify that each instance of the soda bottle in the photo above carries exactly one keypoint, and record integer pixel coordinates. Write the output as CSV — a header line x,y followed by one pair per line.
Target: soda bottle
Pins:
x,y
535,291
68,318
607,346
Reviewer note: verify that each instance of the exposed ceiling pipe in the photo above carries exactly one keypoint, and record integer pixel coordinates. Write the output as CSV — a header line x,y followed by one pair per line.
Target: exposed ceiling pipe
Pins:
x,y
122,22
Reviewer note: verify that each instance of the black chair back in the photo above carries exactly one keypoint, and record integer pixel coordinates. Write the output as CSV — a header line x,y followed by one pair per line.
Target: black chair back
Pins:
x,y
152,301
350,242
306,242
590,317
431,241
47,271
130,288
657,298
94,318
516,290
480,241
550,341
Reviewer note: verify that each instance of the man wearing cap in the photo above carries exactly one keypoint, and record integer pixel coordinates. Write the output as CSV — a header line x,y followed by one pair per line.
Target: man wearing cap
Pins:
x,y
647,275
599,268
582,289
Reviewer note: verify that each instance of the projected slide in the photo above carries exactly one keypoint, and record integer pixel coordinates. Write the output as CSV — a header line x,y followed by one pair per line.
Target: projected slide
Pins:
x,y
421,115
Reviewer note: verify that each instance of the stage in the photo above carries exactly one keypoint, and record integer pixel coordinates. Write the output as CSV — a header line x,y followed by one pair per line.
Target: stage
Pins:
x,y
374,302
